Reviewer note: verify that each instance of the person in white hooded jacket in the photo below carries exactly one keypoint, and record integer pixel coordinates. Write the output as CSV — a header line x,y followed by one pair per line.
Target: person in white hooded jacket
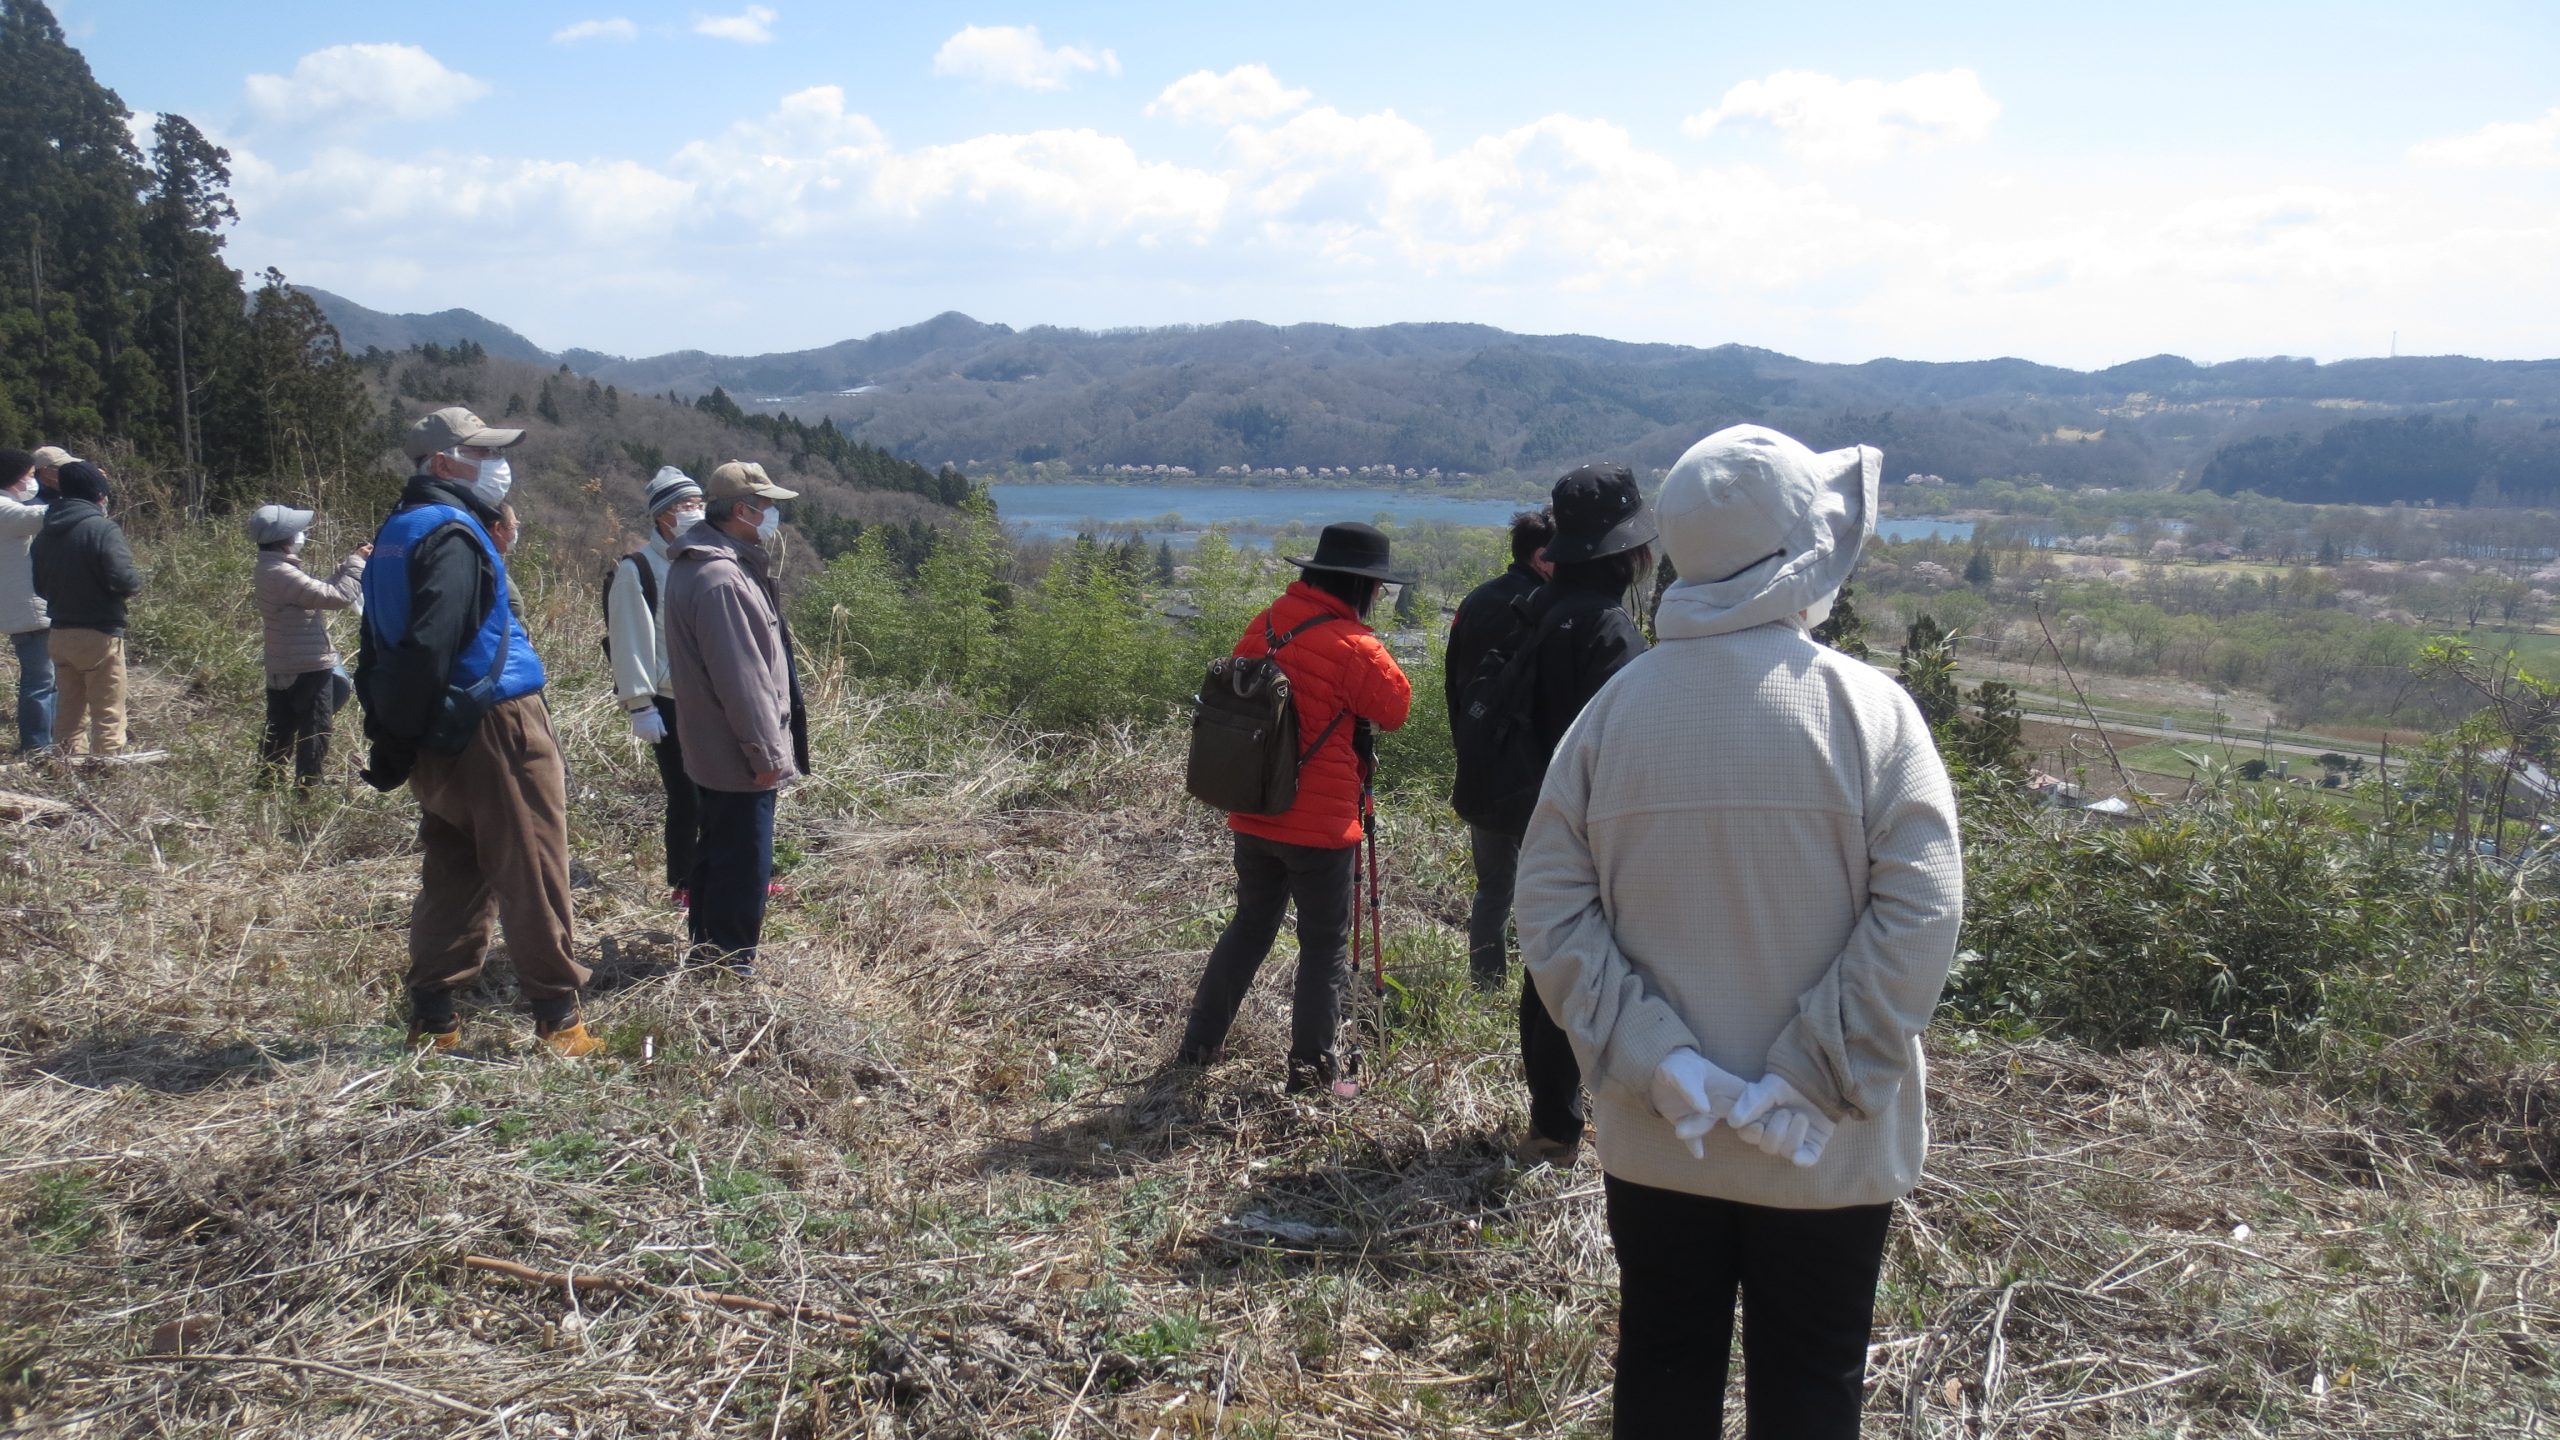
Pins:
x,y
1739,897
22,612
636,638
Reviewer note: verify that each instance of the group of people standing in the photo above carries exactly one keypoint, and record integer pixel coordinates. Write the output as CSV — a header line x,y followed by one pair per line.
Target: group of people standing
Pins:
x,y
1736,899
452,690
66,576
452,687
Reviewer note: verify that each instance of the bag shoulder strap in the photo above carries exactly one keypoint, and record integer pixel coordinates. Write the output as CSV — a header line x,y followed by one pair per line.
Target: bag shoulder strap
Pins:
x,y
1272,641
638,560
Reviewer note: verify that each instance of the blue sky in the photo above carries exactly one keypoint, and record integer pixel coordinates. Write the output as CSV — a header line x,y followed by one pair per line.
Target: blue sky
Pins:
x,y
2072,183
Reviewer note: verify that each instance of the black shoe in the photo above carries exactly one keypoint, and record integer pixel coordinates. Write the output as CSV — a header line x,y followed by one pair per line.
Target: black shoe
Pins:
x,y
1488,980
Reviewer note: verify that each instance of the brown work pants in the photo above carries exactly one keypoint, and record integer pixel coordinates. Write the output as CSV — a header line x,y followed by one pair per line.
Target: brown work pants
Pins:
x,y
88,679
493,832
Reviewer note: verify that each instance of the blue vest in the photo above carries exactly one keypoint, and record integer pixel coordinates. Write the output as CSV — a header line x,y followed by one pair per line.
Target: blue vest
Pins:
x,y
480,678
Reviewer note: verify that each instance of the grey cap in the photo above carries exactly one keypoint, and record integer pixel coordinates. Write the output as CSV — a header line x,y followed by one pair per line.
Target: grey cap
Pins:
x,y
274,524
669,486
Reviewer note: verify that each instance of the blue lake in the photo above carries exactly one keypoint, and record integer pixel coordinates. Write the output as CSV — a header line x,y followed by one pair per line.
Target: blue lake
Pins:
x,y
1057,511
1180,511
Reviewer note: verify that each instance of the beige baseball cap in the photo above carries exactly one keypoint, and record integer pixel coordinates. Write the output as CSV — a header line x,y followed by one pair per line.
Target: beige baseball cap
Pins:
x,y
451,426
52,457
739,478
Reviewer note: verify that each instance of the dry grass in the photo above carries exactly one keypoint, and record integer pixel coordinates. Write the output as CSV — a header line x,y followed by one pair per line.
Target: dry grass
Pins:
x,y
943,1114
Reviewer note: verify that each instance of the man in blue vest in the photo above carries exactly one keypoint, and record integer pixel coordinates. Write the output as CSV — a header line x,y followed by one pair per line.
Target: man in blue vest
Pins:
x,y
452,695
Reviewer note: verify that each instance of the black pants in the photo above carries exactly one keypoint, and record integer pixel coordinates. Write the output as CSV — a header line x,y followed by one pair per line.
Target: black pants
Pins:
x,y
300,718
1497,865
1808,1285
731,869
1548,1063
684,799
1269,875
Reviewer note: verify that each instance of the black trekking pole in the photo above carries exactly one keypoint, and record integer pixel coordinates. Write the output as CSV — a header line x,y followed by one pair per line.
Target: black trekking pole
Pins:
x,y
1369,838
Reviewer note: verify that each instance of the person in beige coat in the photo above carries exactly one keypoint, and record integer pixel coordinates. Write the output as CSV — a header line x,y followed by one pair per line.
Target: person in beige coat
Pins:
x,y
305,688
1739,896
738,707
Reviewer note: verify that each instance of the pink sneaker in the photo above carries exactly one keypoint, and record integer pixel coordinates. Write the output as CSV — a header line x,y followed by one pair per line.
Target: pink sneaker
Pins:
x,y
682,899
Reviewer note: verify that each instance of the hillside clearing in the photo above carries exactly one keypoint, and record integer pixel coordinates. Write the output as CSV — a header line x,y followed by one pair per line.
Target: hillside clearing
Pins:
x,y
944,1117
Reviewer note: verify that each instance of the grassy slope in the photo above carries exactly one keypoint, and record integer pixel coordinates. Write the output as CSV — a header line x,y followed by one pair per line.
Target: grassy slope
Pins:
x,y
943,1114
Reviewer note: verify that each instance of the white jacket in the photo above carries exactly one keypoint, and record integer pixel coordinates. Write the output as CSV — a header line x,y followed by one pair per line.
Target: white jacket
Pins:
x,y
1747,844
21,609
637,632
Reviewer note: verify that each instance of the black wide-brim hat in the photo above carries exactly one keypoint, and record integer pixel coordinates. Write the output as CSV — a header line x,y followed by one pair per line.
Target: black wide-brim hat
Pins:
x,y
1353,549
1599,511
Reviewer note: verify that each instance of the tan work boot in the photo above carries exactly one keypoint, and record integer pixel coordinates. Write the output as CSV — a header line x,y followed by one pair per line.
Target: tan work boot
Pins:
x,y
572,1041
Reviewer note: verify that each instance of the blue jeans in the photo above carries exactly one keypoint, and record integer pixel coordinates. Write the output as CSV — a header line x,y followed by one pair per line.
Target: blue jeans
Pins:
x,y
35,688
731,869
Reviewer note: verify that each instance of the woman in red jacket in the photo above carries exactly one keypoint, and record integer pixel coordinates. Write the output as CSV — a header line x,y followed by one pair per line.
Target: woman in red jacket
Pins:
x,y
1343,682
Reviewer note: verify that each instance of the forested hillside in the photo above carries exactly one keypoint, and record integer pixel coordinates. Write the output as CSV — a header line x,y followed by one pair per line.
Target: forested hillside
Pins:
x,y
1473,400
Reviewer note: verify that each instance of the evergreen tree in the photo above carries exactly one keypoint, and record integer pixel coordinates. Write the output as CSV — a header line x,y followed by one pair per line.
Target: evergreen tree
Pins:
x,y
1993,737
1927,668
1844,629
1166,573
1977,570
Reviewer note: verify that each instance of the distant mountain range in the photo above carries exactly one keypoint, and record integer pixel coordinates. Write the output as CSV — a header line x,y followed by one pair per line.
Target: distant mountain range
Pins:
x,y
1471,398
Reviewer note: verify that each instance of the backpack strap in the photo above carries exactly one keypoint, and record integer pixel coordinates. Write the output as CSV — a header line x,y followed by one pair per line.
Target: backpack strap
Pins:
x,y
1272,641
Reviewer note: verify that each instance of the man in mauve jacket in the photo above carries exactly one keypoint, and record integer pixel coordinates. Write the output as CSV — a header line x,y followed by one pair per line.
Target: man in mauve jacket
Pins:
x,y
85,572
738,703
1341,679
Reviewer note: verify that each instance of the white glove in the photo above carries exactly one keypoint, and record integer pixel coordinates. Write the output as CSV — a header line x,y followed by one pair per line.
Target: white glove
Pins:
x,y
1775,1116
1691,1092
649,725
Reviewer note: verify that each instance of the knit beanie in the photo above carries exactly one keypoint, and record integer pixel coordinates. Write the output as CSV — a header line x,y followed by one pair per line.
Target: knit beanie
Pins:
x,y
80,480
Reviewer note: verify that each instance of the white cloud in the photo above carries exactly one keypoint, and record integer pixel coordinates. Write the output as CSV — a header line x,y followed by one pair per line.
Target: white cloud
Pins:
x,y
751,26
358,83
616,29
1248,92
1015,55
1562,222
2508,145
1824,120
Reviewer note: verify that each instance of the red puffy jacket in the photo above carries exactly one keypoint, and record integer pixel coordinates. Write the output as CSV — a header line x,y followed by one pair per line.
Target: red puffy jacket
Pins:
x,y
1330,667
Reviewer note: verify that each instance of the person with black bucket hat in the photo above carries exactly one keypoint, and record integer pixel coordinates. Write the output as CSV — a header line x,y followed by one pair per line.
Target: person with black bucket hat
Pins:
x,y
1343,685
1582,633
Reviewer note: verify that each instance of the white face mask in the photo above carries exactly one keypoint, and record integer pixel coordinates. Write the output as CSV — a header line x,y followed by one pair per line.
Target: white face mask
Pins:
x,y
294,546
768,525
685,517
1812,616
24,491
492,478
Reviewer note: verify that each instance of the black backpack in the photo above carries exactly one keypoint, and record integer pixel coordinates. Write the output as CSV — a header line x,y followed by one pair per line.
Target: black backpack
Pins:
x,y
1501,762
604,594
1244,732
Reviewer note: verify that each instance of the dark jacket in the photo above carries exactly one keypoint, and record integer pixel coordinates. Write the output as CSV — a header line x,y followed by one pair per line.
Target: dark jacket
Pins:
x,y
1592,639
83,568
451,587
1484,619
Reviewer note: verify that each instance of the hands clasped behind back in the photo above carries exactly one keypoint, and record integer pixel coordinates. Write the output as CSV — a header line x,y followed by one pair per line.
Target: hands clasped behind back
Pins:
x,y
1777,1118
1693,1093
